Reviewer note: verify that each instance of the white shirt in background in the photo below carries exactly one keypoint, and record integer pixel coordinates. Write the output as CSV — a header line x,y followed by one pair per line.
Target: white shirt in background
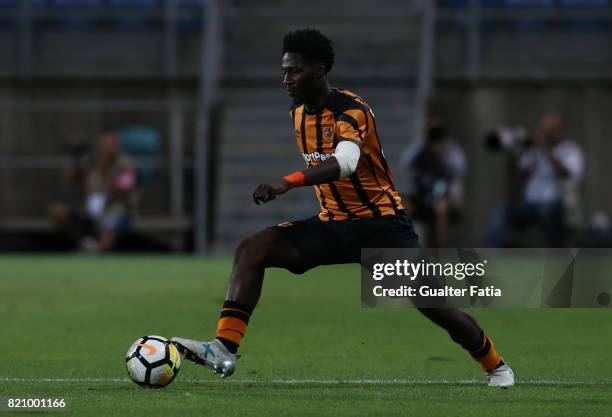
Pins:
x,y
544,185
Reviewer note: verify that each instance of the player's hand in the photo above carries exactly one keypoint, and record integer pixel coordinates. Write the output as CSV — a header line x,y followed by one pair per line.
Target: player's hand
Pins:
x,y
267,192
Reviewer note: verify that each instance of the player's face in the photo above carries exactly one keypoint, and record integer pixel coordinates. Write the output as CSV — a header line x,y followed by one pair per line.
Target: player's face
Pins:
x,y
299,78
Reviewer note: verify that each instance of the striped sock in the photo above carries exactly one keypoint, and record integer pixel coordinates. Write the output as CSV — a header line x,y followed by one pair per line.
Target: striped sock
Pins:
x,y
232,324
487,356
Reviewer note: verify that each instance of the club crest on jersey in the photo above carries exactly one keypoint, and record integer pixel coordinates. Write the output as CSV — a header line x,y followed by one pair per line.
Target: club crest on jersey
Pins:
x,y
328,132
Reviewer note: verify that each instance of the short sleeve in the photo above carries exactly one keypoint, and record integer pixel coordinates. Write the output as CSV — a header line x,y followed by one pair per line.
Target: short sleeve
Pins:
x,y
573,159
352,125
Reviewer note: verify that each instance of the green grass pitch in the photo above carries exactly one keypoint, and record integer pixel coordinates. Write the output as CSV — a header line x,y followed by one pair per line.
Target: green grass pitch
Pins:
x,y
67,322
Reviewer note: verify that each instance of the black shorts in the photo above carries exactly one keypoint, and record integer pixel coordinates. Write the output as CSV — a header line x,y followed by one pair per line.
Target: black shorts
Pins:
x,y
339,242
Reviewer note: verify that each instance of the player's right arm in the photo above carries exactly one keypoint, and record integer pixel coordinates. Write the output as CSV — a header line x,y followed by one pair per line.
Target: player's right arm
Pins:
x,y
351,128
341,165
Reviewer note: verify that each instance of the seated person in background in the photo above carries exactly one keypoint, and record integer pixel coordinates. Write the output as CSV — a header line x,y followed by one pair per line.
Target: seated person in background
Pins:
x,y
436,182
108,188
553,168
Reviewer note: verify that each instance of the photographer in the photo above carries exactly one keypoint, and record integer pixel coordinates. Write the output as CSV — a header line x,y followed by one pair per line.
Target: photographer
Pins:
x,y
553,168
436,173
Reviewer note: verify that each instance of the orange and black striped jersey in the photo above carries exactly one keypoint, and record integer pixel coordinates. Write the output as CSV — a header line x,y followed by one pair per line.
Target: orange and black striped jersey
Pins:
x,y
369,191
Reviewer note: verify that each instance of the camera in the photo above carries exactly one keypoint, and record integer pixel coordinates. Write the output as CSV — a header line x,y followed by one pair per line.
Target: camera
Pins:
x,y
77,151
504,138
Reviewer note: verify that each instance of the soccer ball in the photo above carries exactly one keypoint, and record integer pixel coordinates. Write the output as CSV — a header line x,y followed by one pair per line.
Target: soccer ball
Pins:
x,y
152,361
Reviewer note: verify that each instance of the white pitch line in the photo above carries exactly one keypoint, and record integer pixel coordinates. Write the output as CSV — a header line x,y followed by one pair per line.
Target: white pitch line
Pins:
x,y
318,381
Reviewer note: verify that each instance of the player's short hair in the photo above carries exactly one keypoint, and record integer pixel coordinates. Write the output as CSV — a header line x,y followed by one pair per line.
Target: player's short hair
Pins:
x,y
314,46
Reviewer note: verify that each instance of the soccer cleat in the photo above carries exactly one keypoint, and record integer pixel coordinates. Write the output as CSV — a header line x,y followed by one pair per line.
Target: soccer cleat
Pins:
x,y
213,354
502,377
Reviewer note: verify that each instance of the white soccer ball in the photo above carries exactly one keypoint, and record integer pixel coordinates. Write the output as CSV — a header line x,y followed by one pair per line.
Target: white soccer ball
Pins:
x,y
152,361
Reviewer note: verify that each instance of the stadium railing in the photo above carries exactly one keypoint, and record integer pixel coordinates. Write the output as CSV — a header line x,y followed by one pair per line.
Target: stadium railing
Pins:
x,y
20,19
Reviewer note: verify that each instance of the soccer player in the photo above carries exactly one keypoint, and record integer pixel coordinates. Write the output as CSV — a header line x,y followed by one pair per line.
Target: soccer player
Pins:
x,y
336,134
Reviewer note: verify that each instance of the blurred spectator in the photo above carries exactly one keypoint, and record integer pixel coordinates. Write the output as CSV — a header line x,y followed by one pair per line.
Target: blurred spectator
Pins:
x,y
107,186
436,173
553,168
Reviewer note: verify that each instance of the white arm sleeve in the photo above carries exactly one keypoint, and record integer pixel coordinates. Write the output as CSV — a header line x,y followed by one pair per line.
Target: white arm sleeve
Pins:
x,y
347,154
573,159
